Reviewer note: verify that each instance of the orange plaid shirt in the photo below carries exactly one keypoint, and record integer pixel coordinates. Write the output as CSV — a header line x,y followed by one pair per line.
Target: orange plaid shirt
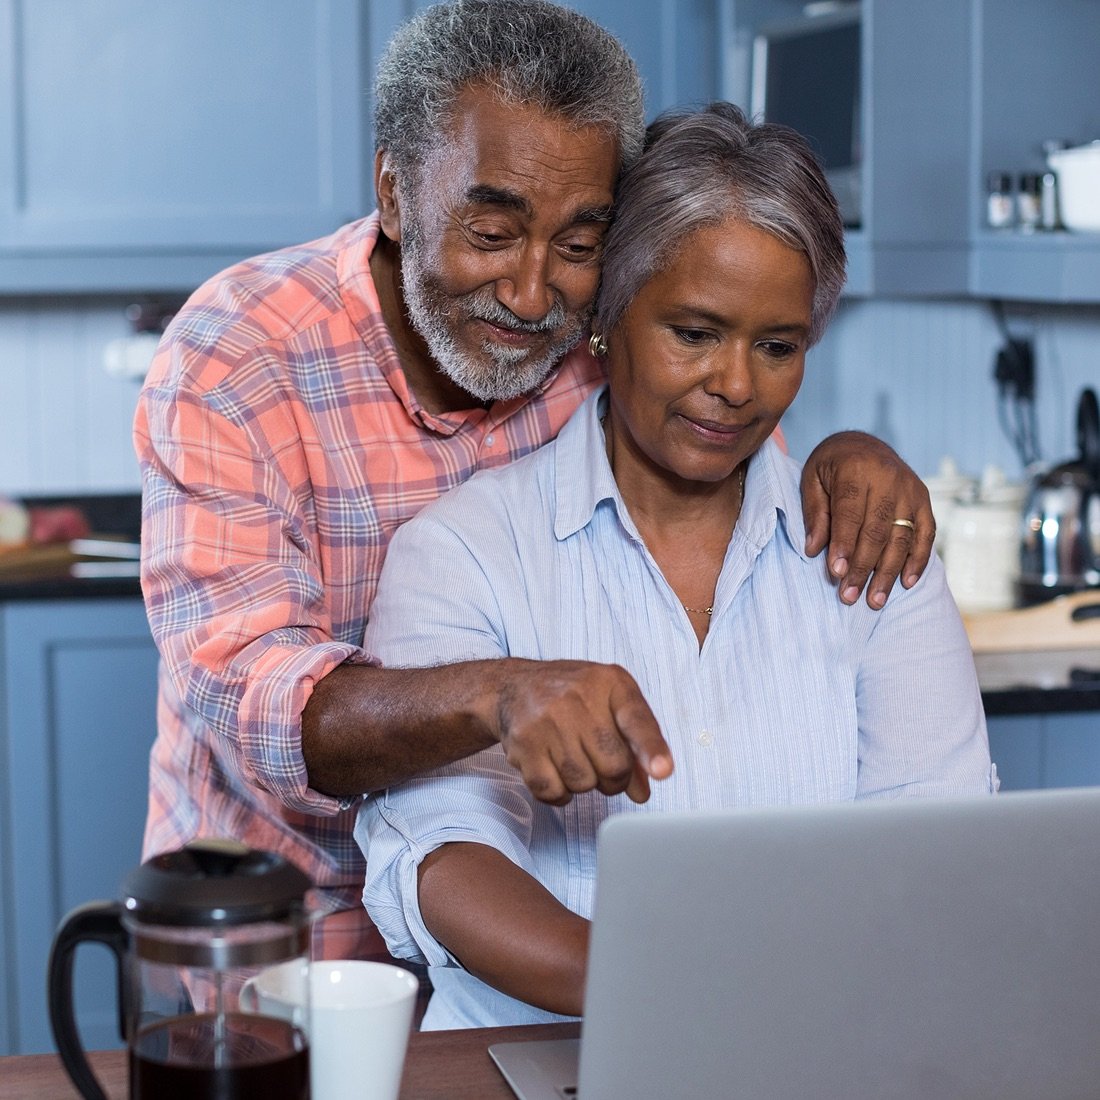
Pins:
x,y
280,449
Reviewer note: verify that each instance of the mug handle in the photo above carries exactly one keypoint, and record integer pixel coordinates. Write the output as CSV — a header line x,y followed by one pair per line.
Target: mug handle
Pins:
x,y
96,922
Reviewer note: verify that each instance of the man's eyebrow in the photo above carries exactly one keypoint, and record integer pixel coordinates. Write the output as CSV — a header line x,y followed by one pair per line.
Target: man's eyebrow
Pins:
x,y
484,194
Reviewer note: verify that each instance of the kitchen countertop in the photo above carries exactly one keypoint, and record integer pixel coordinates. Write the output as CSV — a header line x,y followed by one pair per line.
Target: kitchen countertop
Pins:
x,y
1057,680
439,1065
1040,658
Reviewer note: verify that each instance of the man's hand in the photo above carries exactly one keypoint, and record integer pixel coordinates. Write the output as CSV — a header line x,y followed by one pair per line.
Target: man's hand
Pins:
x,y
853,489
573,726
566,726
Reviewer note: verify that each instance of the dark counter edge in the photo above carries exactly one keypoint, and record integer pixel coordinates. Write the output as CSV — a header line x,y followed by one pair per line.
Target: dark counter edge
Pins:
x,y
1041,700
70,588
107,513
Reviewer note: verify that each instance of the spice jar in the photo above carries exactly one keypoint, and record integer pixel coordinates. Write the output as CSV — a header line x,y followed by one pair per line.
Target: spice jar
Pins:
x,y
1029,211
999,205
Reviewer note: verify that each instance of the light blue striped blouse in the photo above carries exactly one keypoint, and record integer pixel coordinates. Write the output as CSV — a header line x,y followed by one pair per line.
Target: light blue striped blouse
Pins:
x,y
793,697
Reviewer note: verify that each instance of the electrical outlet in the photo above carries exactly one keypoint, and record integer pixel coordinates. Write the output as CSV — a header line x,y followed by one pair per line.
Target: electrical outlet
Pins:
x,y
1014,369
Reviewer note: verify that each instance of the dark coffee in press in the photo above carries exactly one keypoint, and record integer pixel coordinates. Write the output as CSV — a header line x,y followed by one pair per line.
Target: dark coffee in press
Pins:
x,y
230,1057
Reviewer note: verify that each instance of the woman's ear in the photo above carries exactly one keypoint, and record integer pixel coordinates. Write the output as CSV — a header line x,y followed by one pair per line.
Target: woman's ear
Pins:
x,y
385,190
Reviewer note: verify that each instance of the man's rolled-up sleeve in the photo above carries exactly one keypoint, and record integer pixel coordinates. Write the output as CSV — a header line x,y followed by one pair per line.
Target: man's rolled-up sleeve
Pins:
x,y
232,576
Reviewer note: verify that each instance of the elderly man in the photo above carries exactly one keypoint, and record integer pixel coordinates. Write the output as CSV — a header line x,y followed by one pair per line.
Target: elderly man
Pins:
x,y
305,404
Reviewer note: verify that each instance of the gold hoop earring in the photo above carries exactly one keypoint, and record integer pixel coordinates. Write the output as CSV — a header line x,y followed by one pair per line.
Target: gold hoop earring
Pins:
x,y
596,345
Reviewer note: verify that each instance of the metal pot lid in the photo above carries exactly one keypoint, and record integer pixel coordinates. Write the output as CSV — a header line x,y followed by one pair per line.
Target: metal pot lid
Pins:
x,y
215,882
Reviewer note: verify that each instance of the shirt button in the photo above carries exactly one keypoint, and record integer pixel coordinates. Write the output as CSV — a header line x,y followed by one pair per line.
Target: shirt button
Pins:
x,y
705,738
490,440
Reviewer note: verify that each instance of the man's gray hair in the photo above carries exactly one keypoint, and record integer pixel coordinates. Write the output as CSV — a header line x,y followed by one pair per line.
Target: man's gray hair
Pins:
x,y
701,167
527,51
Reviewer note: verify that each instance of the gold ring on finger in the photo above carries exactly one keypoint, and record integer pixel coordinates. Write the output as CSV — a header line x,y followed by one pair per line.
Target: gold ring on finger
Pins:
x,y
905,523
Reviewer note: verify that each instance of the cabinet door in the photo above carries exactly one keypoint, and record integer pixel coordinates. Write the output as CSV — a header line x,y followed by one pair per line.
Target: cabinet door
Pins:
x,y
675,44
1046,750
1017,746
8,1033
80,717
952,90
146,145
959,90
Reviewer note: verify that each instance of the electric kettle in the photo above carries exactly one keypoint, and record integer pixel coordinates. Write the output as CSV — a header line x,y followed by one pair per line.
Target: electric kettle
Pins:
x,y
192,927
1060,541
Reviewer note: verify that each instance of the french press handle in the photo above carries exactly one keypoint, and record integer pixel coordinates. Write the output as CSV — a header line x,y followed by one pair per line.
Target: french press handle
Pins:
x,y
95,922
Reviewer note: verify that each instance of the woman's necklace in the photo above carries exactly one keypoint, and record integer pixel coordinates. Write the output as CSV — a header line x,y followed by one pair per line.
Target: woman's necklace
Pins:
x,y
741,501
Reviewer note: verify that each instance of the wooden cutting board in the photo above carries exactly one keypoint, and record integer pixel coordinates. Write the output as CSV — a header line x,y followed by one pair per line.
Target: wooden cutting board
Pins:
x,y
28,559
1068,622
25,558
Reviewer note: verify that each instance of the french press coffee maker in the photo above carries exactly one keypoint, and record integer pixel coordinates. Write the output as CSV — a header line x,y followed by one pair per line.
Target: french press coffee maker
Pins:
x,y
193,926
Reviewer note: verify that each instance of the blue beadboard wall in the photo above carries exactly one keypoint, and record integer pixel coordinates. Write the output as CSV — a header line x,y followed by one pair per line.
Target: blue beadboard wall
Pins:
x,y
917,373
64,423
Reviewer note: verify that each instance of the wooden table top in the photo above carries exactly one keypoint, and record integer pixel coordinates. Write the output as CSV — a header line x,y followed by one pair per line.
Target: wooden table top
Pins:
x,y
440,1065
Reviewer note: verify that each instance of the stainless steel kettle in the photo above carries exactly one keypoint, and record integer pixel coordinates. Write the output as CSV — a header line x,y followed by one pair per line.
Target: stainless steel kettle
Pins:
x,y
1060,542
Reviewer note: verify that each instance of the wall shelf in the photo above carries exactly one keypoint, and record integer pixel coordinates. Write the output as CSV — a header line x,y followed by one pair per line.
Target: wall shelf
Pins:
x,y
1052,267
951,91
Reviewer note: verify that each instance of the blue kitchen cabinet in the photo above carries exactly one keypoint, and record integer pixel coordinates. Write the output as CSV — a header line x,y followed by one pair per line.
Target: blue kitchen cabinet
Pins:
x,y
7,938
951,91
78,691
143,146
961,90
675,43
1046,750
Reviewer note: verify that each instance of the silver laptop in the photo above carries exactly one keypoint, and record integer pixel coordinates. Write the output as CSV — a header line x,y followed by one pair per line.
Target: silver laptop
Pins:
x,y
907,949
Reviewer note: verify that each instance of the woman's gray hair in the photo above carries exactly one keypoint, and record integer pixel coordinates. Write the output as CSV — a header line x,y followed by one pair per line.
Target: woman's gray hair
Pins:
x,y
701,167
527,51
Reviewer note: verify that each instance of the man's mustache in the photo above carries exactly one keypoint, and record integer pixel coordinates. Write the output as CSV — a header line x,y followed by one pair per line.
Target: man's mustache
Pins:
x,y
487,308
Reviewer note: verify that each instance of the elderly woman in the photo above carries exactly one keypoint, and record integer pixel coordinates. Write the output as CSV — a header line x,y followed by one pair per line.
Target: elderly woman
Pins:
x,y
661,532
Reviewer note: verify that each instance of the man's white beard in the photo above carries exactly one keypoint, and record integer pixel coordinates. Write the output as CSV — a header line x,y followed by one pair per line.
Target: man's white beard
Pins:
x,y
499,372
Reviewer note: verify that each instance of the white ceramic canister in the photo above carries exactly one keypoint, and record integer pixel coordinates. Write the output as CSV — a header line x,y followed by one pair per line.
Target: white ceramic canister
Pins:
x,y
983,559
1078,171
946,488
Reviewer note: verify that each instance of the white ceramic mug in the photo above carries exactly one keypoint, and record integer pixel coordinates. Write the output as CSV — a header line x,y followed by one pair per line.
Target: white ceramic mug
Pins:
x,y
360,1017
